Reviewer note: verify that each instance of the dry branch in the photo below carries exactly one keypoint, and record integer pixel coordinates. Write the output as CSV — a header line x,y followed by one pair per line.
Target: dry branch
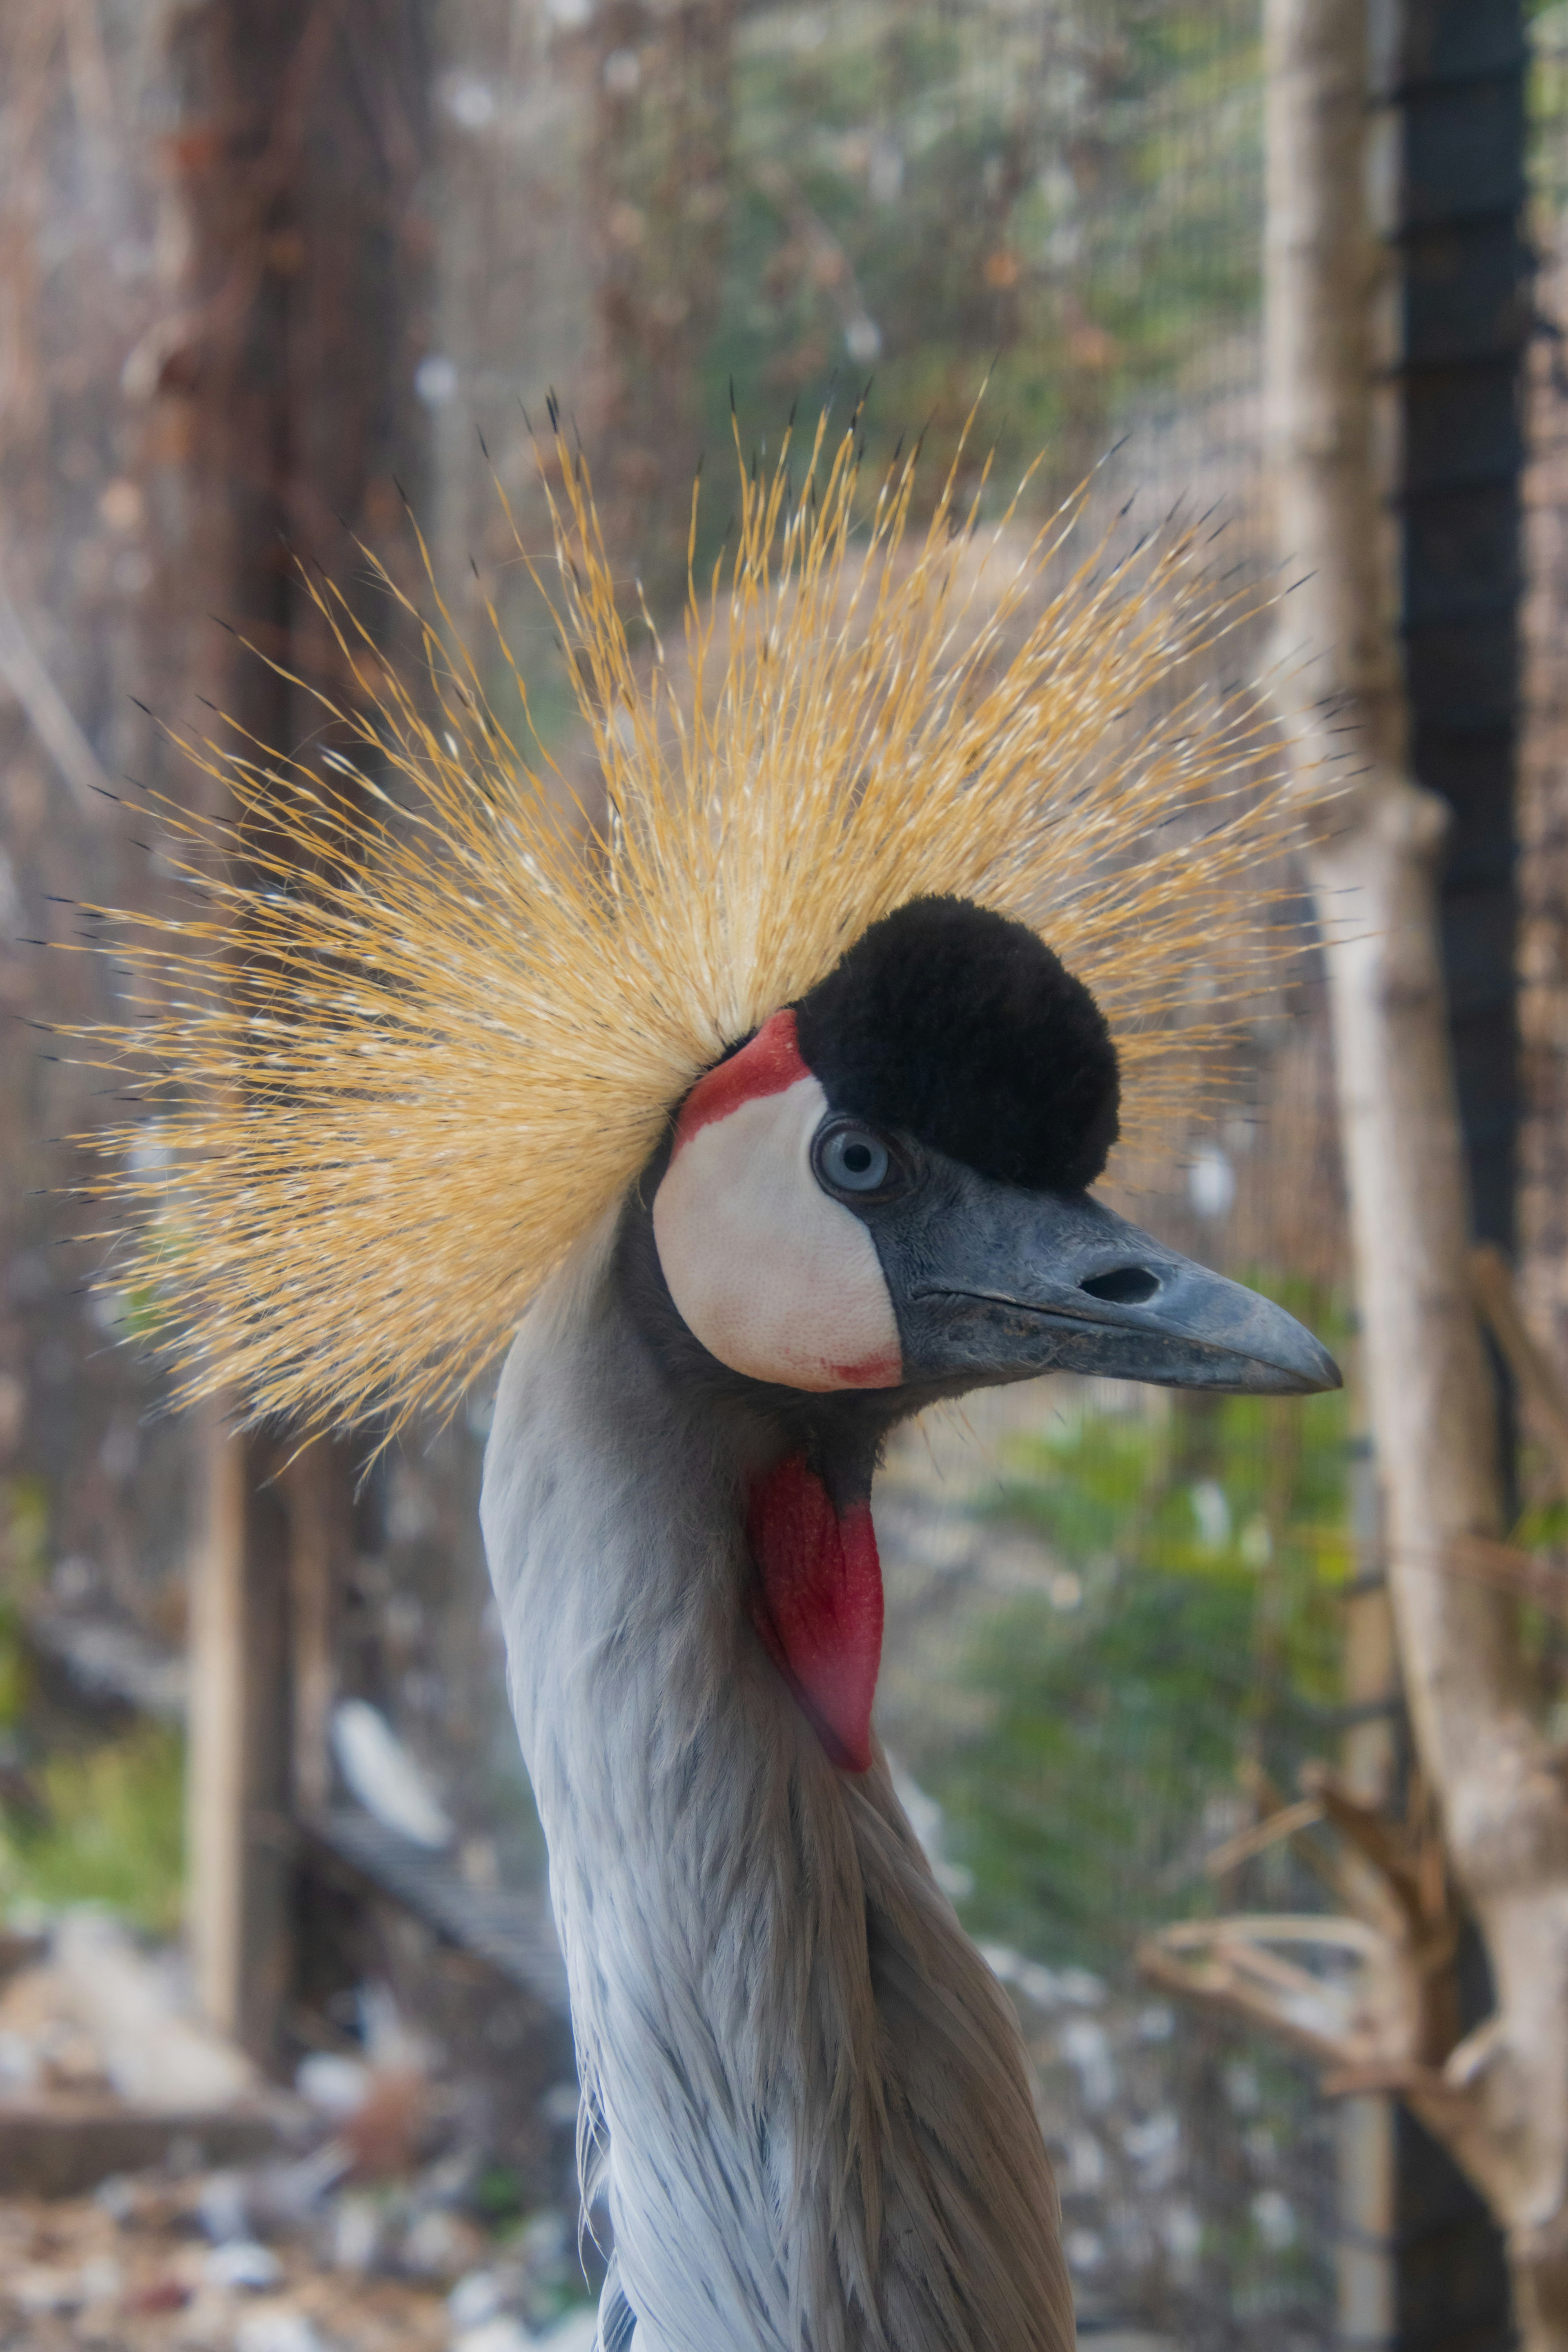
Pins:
x,y
1286,1822
51,715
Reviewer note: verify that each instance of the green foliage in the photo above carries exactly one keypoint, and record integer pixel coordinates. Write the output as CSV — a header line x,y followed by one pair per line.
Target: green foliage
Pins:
x,y
918,190
103,1825
111,1831
14,1676
1190,1632
24,1544
497,2195
1543,1527
24,1533
1546,117
1105,1741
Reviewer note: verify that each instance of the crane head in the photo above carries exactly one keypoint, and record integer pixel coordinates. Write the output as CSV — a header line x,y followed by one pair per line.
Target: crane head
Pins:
x,y
886,1187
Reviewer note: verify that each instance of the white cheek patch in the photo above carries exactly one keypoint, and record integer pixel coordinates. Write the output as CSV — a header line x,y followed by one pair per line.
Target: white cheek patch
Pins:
x,y
776,1279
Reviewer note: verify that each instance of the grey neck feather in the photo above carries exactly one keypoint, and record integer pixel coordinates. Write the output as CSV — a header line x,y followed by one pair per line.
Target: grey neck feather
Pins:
x,y
806,2099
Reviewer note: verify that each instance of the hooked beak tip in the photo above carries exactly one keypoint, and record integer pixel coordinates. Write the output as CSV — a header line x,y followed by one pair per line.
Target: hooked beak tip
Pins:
x,y
1315,1376
1241,1340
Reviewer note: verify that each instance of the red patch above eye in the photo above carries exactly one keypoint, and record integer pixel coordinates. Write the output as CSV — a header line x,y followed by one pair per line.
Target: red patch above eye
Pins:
x,y
770,1063
819,1612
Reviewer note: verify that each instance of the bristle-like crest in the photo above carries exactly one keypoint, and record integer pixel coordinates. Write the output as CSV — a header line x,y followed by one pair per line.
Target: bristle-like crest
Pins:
x,y
424,1022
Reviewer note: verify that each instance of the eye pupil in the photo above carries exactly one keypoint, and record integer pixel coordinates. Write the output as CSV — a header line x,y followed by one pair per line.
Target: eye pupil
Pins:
x,y
857,1158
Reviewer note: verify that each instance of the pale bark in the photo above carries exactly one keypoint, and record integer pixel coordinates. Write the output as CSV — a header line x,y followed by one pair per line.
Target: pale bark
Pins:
x,y
1502,2102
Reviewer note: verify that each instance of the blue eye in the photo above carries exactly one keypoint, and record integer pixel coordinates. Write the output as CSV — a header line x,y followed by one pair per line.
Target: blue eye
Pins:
x,y
849,1157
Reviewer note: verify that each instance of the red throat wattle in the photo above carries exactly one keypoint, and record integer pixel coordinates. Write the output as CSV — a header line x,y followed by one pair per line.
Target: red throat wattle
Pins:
x,y
820,1611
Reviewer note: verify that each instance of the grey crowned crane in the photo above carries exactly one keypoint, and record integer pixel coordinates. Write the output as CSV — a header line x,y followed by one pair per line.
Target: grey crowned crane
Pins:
x,y
750,1125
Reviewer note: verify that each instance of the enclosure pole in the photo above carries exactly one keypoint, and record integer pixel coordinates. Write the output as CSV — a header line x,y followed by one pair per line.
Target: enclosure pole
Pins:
x,y
1456,86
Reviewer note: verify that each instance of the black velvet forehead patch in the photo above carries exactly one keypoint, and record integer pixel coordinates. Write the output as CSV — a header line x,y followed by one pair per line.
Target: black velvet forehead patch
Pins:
x,y
962,1028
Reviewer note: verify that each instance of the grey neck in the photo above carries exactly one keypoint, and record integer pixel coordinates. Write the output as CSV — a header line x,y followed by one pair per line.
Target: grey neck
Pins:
x,y
806,2099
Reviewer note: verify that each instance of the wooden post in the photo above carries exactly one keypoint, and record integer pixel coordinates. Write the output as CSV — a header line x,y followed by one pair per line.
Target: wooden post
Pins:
x,y
237,1808
312,1493
215,1763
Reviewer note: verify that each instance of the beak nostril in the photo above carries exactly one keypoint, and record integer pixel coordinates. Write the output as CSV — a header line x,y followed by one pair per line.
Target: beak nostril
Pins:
x,y
1124,1286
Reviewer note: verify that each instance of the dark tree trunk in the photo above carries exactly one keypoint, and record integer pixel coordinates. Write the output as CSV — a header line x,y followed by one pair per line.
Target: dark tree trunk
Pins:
x,y
290,422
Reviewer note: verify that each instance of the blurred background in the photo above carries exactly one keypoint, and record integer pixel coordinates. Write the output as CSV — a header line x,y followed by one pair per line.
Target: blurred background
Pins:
x,y
280,279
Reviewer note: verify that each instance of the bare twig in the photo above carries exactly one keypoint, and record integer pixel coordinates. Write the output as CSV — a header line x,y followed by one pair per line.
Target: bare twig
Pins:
x,y
1483,1560
1524,1573
1284,1822
1371,1833
52,719
1399,2077
1226,1967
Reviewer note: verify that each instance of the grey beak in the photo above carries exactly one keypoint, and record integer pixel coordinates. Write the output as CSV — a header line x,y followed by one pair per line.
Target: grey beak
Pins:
x,y
1009,1282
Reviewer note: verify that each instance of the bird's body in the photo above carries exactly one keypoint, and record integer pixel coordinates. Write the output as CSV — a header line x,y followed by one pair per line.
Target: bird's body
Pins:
x,y
816,2124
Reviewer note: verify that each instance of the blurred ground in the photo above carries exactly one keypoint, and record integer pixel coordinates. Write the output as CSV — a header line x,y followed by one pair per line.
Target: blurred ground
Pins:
x,y
136,2267
195,2204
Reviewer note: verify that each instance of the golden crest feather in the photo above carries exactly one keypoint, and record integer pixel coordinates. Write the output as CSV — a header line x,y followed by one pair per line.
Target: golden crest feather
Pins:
x,y
401,1057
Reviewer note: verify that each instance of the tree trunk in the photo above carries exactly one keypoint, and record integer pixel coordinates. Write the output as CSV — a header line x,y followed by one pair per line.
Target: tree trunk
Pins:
x,y
289,371
1503,2110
